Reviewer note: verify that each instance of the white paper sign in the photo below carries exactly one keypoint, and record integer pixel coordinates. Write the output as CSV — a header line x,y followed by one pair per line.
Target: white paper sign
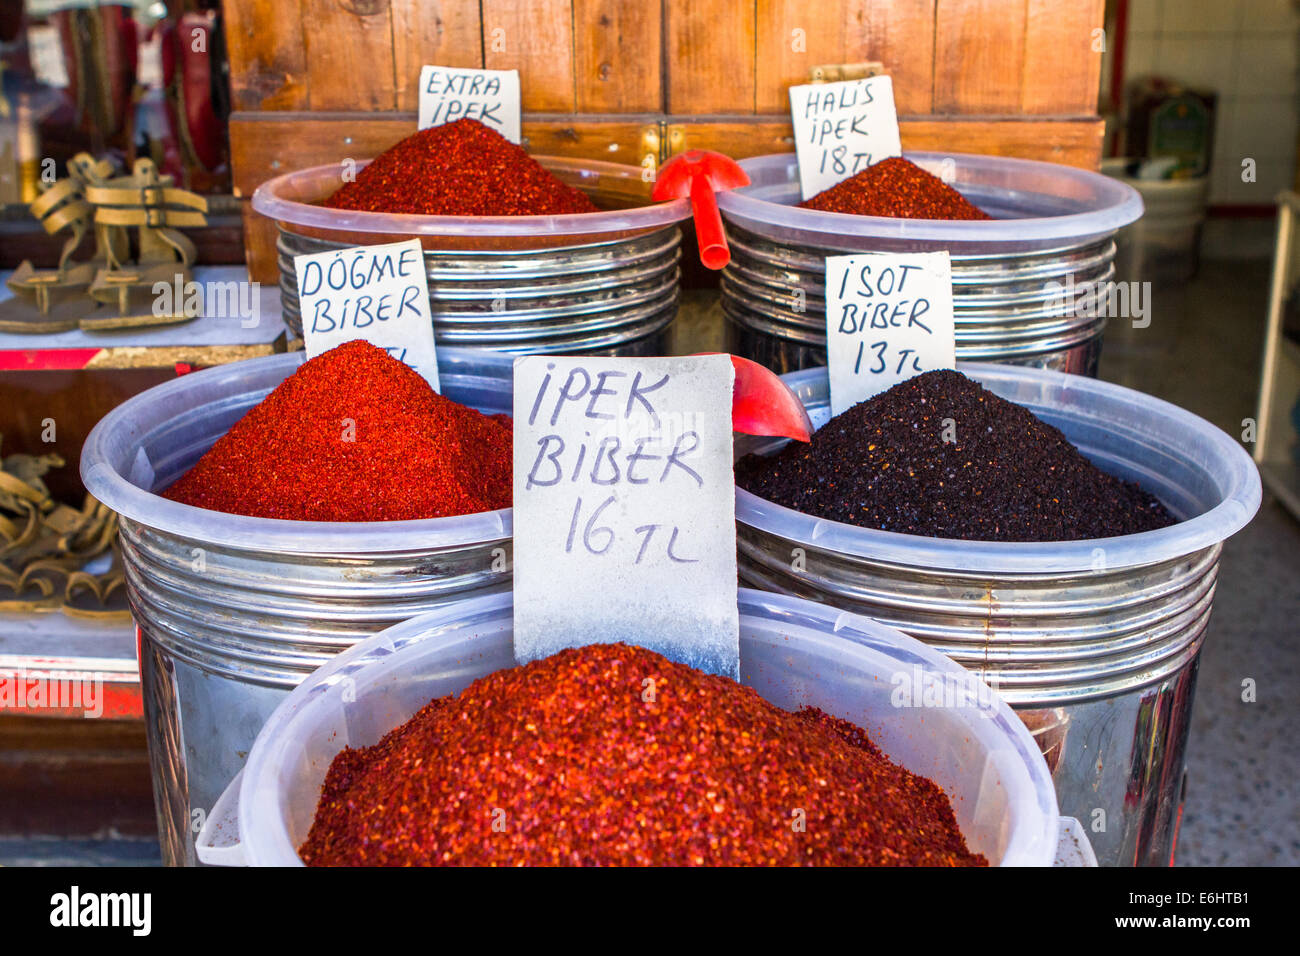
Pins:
x,y
888,318
624,507
449,93
377,293
842,128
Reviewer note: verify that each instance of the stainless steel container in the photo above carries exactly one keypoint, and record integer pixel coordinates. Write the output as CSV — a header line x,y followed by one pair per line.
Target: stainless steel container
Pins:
x,y
604,282
1024,285
1094,643
235,611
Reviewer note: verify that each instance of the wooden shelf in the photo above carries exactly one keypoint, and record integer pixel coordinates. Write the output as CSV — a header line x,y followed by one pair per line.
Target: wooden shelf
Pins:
x,y
75,378
209,339
87,668
1275,448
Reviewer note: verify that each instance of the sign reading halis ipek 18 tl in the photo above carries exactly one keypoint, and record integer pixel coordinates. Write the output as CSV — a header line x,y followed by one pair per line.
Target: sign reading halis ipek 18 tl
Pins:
x,y
624,507
842,128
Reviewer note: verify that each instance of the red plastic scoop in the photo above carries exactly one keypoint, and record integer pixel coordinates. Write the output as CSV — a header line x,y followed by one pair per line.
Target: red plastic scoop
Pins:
x,y
762,404
699,173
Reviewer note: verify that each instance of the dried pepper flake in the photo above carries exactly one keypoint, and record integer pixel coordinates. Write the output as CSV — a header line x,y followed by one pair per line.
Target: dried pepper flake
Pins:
x,y
354,435
897,188
569,761
459,169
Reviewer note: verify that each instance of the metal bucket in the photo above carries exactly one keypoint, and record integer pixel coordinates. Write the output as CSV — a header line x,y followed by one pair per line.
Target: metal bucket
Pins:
x,y
604,282
1094,643
1011,277
234,611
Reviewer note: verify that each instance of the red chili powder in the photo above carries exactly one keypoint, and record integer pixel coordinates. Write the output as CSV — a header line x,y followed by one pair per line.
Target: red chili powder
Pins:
x,y
460,169
565,761
898,188
354,435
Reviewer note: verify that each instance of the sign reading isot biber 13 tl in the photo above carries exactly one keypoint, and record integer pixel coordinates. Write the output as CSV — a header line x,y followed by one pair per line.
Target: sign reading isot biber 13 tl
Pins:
x,y
624,507
888,318
842,128
450,93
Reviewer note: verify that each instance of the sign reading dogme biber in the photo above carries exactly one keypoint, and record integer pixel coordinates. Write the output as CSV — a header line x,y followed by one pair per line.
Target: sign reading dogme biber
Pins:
x,y
888,318
377,293
842,128
624,507
449,93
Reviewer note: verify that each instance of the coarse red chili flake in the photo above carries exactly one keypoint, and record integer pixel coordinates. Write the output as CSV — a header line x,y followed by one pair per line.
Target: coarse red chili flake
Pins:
x,y
354,435
568,761
897,188
459,169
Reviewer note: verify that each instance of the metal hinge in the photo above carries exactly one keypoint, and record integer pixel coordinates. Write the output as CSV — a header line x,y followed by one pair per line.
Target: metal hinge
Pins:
x,y
651,152
834,72
661,142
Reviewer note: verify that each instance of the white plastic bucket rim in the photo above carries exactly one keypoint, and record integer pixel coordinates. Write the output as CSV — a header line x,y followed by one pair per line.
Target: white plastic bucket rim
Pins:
x,y
1102,204
270,200
131,421
1091,401
263,839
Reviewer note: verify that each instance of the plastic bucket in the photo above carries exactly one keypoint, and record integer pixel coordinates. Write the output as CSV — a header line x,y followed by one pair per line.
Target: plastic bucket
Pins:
x,y
1053,231
1164,245
1095,643
604,282
234,611
792,652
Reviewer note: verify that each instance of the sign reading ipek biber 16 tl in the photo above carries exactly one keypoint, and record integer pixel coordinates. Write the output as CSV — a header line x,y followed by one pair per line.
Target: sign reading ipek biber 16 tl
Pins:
x,y
624,507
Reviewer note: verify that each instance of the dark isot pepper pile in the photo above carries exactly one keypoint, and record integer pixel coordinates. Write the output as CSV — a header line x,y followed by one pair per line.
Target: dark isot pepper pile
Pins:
x,y
941,456
565,761
459,169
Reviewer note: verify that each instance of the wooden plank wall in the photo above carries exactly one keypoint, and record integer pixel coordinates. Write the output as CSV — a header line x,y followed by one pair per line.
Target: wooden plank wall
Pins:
x,y
1015,77
954,57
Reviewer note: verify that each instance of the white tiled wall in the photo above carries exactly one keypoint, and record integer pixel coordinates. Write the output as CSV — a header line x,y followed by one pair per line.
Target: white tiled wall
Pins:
x,y
1246,50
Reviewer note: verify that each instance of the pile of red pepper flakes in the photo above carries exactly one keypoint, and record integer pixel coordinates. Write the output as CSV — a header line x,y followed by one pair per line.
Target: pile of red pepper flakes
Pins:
x,y
355,435
897,188
565,761
459,169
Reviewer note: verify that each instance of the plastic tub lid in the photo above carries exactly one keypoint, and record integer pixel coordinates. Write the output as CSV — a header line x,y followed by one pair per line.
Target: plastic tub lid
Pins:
x,y
1197,471
856,675
293,198
1035,205
118,470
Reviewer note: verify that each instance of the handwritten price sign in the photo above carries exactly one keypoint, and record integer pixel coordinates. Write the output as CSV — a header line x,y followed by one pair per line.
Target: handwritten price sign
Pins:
x,y
377,293
888,318
624,507
451,93
842,128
